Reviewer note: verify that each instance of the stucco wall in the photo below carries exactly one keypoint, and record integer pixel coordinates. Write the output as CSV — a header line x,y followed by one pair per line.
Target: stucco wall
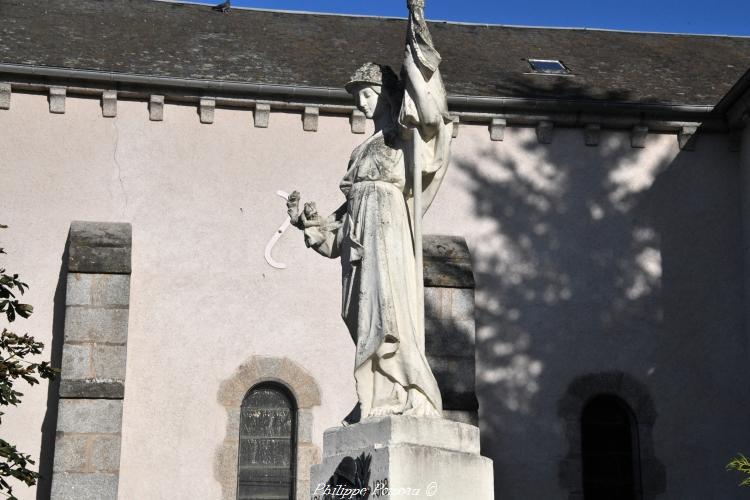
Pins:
x,y
588,260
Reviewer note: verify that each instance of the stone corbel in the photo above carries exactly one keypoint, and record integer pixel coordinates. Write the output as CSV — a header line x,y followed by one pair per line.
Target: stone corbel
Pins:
x,y
262,114
57,100
109,103
156,108
545,132
206,109
638,136
310,119
358,122
497,129
456,124
4,95
686,137
592,134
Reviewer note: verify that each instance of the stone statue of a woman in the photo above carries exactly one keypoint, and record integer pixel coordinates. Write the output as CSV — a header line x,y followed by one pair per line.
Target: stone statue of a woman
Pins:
x,y
372,232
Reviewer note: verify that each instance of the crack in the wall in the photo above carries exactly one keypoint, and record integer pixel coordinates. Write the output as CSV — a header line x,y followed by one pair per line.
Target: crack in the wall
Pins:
x,y
119,167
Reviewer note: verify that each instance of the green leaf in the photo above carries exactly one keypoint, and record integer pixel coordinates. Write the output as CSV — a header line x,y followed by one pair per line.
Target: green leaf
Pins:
x,y
24,310
15,369
741,464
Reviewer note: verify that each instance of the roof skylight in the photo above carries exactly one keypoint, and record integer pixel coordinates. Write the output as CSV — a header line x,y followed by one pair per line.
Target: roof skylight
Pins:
x,y
548,67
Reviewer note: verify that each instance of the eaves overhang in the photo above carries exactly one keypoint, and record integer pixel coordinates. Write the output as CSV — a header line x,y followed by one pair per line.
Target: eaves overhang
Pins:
x,y
521,111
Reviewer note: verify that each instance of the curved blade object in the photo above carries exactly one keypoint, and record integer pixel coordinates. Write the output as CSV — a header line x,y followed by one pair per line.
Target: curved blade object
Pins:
x,y
276,237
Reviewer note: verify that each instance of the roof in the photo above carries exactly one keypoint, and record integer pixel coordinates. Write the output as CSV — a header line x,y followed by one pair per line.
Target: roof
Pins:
x,y
190,41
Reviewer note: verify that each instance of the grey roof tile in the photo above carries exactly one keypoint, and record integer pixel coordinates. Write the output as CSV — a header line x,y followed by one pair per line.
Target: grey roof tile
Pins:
x,y
191,41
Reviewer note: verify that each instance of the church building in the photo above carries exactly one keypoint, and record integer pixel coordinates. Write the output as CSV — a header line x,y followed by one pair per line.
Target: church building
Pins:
x,y
586,260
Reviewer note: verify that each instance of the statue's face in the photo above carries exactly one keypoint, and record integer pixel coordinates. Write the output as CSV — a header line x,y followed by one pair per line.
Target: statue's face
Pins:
x,y
367,100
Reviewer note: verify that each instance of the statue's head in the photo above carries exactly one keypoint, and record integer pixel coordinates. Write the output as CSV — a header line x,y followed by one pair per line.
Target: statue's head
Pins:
x,y
376,89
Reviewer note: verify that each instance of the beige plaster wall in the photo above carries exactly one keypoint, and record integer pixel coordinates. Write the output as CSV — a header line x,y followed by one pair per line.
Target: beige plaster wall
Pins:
x,y
588,259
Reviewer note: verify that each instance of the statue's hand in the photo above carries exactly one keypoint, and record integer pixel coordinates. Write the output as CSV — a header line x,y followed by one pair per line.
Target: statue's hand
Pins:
x,y
415,4
292,208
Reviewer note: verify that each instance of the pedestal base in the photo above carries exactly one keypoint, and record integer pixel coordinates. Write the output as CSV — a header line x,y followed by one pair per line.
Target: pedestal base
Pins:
x,y
403,457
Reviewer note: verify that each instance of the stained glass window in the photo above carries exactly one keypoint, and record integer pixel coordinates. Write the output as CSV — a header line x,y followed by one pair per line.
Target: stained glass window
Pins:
x,y
266,465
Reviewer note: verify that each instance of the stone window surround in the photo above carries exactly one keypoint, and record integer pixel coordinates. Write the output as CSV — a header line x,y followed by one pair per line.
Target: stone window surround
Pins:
x,y
636,396
258,370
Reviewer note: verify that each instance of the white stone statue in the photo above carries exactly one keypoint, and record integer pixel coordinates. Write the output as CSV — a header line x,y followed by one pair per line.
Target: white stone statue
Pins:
x,y
376,230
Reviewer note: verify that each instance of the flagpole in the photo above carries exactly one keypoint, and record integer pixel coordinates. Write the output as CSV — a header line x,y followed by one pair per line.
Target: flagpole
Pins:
x,y
418,264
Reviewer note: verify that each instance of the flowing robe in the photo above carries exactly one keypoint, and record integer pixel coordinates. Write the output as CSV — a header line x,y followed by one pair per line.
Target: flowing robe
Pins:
x,y
372,233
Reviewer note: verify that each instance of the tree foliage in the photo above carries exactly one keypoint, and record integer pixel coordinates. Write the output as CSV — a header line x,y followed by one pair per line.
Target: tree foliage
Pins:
x,y
742,464
14,368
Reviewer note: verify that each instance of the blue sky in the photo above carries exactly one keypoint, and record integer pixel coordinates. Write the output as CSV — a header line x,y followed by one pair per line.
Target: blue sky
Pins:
x,y
726,17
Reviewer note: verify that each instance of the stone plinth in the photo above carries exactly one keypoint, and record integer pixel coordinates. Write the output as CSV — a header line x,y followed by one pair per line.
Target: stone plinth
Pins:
x,y
405,457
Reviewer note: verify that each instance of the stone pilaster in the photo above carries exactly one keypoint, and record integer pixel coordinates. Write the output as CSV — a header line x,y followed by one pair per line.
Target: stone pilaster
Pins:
x,y
92,379
449,324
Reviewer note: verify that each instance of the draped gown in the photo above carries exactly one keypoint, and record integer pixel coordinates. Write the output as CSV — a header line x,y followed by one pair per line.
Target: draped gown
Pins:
x,y
372,233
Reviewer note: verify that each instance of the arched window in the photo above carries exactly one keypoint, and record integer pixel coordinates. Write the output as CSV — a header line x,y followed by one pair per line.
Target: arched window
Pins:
x,y
266,465
609,449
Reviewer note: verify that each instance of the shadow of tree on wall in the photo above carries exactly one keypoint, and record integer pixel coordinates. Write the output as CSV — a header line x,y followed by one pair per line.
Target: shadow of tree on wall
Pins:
x,y
576,253
582,267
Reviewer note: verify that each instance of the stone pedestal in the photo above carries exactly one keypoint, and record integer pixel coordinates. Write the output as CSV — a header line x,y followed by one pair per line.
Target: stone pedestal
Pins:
x,y
404,457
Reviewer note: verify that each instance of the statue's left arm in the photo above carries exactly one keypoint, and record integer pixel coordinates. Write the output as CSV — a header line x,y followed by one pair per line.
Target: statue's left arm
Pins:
x,y
426,105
